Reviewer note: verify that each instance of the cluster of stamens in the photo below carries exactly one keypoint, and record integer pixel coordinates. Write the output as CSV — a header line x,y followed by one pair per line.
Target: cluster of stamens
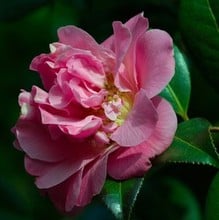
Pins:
x,y
116,104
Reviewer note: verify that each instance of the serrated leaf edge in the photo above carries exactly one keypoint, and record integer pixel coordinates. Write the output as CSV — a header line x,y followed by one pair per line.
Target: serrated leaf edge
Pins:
x,y
192,162
195,147
212,142
134,199
214,164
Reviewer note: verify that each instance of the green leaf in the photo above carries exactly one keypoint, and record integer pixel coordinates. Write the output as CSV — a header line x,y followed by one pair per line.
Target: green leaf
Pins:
x,y
120,197
199,27
178,90
214,135
192,144
212,203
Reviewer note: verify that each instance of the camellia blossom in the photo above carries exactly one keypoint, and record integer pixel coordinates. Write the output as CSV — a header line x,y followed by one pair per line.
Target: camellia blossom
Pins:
x,y
99,113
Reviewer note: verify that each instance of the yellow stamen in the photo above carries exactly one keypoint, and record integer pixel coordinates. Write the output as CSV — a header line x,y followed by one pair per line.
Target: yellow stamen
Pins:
x,y
114,95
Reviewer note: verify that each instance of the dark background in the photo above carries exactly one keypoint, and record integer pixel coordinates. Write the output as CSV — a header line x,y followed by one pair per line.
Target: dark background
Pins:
x,y
26,29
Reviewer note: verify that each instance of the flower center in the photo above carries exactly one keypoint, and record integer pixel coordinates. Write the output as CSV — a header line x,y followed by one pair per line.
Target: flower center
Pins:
x,y
117,104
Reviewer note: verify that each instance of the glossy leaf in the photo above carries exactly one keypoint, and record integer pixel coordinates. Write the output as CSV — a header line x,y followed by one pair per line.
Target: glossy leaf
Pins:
x,y
192,144
120,197
214,135
178,90
199,27
212,204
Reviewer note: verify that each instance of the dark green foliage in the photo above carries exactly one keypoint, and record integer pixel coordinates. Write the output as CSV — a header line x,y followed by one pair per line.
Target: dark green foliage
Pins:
x,y
26,29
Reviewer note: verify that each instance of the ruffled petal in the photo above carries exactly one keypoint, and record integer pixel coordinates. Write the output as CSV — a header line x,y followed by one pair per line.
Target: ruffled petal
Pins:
x,y
123,43
128,162
40,64
65,195
39,96
50,174
58,97
83,128
79,189
36,142
94,176
85,95
87,68
59,172
36,167
80,127
122,40
137,25
78,38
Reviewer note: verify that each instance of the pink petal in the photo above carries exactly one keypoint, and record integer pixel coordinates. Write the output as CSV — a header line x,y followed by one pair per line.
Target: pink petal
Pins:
x,y
64,196
60,98
137,25
139,124
123,44
83,128
35,140
94,100
24,97
86,96
59,172
135,161
87,68
94,176
36,167
28,112
49,174
15,142
154,61
78,190
122,40
165,129
73,191
51,116
127,163
80,127
78,38
109,43
40,64
39,95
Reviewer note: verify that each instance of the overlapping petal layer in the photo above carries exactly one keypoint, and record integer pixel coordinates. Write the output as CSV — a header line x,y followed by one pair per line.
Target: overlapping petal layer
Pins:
x,y
98,113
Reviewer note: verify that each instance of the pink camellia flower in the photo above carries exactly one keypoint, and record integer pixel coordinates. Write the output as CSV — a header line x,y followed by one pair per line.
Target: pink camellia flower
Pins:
x,y
99,113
